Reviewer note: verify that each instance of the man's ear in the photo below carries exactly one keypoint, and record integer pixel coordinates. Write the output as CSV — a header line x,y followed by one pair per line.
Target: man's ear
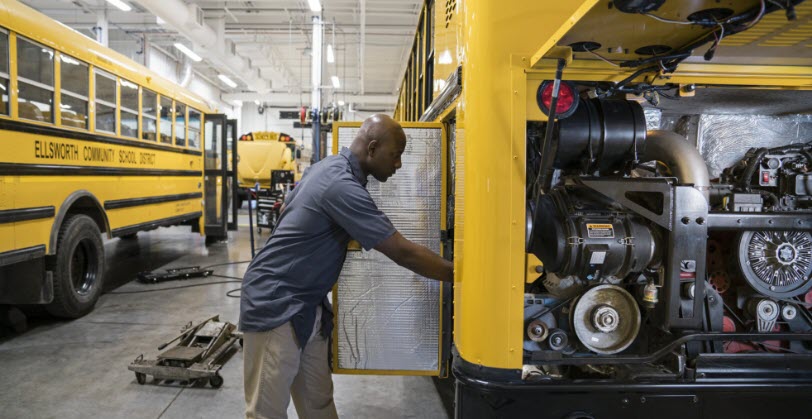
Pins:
x,y
371,147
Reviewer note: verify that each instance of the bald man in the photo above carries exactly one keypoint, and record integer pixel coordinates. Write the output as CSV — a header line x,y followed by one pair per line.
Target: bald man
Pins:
x,y
284,312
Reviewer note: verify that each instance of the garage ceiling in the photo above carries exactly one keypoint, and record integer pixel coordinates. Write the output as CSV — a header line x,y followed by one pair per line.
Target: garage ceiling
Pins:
x,y
371,40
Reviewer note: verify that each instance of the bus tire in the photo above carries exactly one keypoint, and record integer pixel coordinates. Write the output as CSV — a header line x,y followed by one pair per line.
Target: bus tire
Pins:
x,y
79,268
131,236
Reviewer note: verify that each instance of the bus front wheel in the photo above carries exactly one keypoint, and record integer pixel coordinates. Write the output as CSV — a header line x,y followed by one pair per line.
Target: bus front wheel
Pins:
x,y
79,268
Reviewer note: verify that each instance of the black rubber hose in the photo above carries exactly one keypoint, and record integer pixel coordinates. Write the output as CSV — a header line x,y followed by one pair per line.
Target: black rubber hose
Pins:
x,y
750,170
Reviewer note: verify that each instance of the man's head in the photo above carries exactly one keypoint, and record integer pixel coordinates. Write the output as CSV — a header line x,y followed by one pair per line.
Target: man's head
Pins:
x,y
378,146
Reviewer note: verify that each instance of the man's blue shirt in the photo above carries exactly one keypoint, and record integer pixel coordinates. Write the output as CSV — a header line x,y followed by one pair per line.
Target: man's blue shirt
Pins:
x,y
301,261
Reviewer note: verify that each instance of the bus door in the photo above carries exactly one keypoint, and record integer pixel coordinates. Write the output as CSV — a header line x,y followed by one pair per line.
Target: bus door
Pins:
x,y
388,319
215,184
231,173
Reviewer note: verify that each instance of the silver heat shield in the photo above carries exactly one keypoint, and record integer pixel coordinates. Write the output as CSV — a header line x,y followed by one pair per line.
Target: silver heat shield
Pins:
x,y
388,318
724,139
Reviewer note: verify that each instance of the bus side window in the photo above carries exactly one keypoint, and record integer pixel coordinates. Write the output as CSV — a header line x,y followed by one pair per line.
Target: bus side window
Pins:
x,y
180,124
149,112
129,108
4,76
194,129
75,80
166,120
105,102
35,76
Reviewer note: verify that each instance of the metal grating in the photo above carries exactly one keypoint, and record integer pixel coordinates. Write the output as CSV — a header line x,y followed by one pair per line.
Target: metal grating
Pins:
x,y
388,318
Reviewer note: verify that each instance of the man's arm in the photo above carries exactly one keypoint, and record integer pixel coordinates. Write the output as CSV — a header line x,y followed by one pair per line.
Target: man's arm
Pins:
x,y
416,258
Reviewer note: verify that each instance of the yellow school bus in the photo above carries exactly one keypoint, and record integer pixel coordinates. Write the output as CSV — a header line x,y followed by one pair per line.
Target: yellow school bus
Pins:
x,y
93,144
648,254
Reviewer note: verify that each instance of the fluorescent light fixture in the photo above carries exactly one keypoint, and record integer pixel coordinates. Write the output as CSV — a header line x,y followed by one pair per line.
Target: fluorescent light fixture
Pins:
x,y
223,78
256,102
336,84
330,57
340,103
314,5
124,7
189,53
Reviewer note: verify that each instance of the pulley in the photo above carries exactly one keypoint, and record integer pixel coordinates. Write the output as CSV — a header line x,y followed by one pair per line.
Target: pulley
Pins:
x,y
606,319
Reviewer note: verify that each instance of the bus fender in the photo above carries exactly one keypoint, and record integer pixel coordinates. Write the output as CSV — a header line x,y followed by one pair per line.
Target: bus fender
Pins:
x,y
96,212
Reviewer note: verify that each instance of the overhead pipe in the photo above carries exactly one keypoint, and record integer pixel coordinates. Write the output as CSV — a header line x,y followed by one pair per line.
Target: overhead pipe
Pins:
x,y
362,51
182,18
315,101
680,157
296,99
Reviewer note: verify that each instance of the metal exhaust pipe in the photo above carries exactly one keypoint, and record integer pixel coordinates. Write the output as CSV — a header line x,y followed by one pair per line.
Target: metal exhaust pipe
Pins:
x,y
680,157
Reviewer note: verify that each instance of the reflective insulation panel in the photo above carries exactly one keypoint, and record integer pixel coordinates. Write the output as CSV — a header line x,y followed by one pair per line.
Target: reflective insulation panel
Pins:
x,y
388,318
724,139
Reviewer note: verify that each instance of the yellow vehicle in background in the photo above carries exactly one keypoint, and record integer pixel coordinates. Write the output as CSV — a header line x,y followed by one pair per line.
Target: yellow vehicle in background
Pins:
x,y
259,153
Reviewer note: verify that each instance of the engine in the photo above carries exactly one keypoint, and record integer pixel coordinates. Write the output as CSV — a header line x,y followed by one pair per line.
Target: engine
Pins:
x,y
651,267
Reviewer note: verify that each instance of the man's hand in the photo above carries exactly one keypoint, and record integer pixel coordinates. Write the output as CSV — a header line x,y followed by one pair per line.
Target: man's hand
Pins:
x,y
416,258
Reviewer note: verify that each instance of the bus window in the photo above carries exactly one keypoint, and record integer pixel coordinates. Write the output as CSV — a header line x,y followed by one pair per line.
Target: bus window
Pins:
x,y
180,124
74,89
4,77
35,76
194,129
166,120
129,108
105,102
149,111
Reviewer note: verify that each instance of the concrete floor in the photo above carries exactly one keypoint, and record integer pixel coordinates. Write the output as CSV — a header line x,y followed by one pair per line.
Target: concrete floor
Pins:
x,y
78,369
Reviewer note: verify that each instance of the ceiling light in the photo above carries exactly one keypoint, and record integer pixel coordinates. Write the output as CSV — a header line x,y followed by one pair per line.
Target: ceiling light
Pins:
x,y
340,103
189,53
330,57
256,102
227,81
121,5
336,84
314,5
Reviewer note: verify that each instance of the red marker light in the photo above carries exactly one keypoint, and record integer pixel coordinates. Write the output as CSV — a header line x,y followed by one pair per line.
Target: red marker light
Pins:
x,y
765,177
567,98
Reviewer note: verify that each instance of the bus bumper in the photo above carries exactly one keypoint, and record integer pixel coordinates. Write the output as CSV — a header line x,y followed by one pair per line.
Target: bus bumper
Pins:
x,y
492,393
26,282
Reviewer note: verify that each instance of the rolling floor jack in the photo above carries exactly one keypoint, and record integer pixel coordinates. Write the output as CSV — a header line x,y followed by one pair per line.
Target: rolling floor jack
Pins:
x,y
200,352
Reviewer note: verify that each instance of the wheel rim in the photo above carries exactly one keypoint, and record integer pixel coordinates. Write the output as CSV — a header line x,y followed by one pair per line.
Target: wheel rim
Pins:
x,y
84,267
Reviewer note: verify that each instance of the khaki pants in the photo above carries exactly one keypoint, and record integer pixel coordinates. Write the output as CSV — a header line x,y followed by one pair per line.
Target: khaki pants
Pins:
x,y
275,369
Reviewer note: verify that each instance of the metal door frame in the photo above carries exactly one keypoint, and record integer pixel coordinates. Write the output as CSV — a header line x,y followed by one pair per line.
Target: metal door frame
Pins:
x,y
444,290
212,230
231,126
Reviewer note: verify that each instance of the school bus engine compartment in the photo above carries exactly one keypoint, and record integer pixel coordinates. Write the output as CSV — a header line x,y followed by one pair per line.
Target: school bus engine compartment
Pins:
x,y
653,261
